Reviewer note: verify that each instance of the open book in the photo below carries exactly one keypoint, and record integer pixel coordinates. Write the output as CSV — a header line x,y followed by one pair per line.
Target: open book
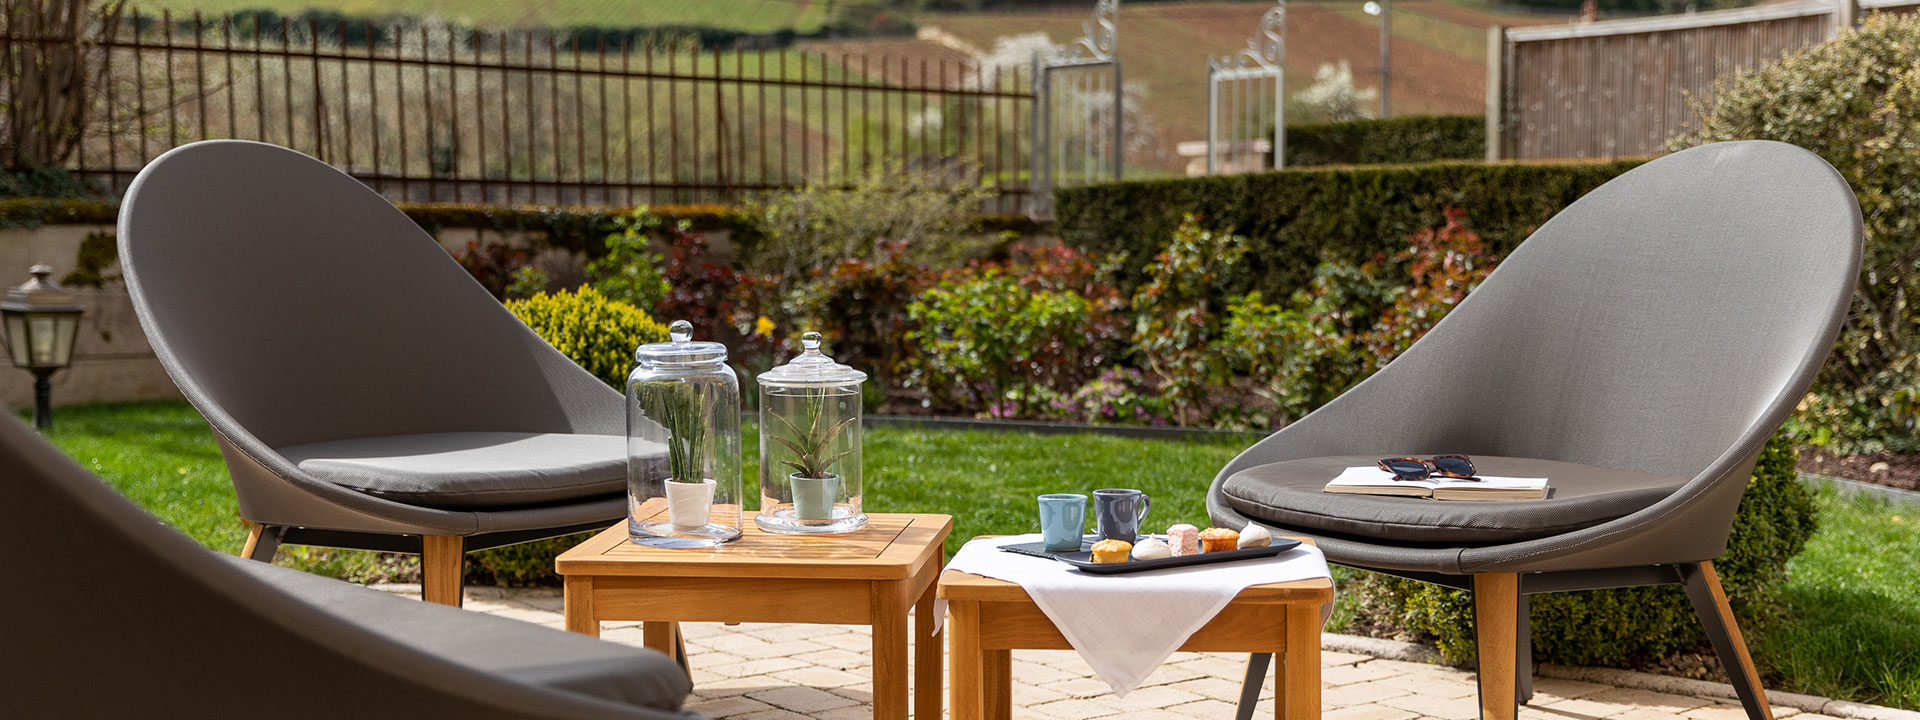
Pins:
x,y
1374,481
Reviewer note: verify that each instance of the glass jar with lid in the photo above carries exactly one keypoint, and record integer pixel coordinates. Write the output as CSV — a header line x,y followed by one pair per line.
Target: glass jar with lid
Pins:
x,y
810,445
683,444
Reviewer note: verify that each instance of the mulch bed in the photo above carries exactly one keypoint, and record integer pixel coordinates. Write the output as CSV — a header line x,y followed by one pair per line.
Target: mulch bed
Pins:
x,y
1890,469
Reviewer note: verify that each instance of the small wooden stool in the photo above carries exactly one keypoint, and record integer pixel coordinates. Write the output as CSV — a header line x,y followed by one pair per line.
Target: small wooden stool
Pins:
x,y
989,619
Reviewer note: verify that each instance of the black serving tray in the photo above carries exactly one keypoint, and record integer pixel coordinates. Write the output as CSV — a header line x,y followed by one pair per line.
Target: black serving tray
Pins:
x,y
1083,558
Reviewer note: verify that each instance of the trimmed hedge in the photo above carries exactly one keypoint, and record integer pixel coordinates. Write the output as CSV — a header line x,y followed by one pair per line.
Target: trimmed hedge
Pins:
x,y
1409,139
1296,218
1628,626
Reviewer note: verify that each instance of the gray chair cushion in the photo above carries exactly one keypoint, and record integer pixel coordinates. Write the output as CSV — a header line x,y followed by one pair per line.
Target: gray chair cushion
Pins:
x,y
471,470
1291,494
510,648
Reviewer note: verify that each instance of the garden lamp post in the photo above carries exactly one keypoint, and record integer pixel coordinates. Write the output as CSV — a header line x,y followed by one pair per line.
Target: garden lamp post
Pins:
x,y
1384,10
41,321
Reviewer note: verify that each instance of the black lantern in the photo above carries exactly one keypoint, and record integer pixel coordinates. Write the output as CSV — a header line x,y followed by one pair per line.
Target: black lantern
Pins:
x,y
41,321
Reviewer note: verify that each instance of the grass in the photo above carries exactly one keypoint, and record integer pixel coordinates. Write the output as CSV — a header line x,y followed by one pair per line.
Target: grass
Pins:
x,y
1852,624
1849,627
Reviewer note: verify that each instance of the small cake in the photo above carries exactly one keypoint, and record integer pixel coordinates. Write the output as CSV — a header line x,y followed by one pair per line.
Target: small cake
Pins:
x,y
1112,551
1184,539
1151,549
1255,536
1218,540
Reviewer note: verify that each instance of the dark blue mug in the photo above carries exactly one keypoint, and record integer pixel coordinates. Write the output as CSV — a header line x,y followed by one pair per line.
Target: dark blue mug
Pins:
x,y
1118,512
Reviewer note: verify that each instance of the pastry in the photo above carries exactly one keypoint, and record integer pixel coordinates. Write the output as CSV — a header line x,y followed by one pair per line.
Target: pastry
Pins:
x,y
1218,540
1255,536
1112,551
1151,549
1184,539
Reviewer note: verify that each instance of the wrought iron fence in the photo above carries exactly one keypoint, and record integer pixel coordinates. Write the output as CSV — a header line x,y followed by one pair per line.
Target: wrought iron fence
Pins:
x,y
431,113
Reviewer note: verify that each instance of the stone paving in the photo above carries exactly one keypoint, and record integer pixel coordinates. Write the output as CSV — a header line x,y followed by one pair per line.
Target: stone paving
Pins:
x,y
775,672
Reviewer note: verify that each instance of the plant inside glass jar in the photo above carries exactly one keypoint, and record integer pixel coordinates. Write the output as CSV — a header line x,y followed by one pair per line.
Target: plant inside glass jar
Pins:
x,y
815,486
682,411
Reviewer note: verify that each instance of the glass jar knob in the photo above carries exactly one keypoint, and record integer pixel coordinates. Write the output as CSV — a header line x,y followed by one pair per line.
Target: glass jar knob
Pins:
x,y
680,331
810,342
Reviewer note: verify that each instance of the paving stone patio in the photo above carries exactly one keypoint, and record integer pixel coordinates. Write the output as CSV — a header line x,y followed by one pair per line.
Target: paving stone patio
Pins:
x,y
774,672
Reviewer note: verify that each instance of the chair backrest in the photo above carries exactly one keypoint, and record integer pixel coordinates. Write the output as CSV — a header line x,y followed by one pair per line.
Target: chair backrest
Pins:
x,y
291,302
1669,318
109,613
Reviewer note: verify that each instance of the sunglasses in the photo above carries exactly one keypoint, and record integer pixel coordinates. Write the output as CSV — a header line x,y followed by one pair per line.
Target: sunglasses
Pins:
x,y
1451,467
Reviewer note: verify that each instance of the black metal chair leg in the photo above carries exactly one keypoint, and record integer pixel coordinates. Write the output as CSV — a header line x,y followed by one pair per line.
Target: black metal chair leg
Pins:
x,y
1250,687
1523,663
1710,603
269,541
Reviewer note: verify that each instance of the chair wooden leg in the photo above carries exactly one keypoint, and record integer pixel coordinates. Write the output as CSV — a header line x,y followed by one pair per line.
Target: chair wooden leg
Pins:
x,y
262,541
1710,603
442,558
1496,619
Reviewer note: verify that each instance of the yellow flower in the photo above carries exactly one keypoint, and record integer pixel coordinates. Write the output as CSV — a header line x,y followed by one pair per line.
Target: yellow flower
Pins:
x,y
763,326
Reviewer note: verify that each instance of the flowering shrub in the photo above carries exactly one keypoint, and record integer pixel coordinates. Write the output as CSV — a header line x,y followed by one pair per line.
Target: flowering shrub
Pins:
x,y
860,305
630,272
1445,264
1177,314
1120,395
986,342
495,265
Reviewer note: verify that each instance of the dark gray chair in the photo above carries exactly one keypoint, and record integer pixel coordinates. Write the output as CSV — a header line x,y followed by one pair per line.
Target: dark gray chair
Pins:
x,y
127,618
366,391
1637,350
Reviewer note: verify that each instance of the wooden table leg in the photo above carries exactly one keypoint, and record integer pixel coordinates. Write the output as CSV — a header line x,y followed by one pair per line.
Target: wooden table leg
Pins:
x,y
662,636
926,651
996,672
889,650
963,647
1296,694
578,607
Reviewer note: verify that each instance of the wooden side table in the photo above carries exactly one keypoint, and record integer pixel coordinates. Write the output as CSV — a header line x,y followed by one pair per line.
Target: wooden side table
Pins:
x,y
989,619
870,577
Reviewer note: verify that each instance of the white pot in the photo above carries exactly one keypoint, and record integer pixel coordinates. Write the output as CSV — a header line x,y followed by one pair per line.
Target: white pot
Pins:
x,y
689,503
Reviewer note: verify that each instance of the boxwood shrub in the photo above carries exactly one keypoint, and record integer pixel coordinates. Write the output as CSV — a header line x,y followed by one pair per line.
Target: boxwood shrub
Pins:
x,y
1628,626
599,334
1296,218
1408,139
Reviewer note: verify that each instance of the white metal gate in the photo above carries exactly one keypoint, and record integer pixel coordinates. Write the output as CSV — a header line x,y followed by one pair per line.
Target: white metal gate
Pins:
x,y
1251,85
1079,111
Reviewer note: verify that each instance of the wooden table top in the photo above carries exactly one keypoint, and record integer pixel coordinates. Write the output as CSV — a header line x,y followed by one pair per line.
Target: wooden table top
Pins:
x,y
956,585
891,547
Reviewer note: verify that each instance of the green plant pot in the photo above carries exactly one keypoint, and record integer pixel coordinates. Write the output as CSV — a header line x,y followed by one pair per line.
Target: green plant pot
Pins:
x,y
813,497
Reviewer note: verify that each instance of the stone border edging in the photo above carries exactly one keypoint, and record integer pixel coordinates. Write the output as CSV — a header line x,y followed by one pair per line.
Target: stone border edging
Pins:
x,y
1413,652
1855,487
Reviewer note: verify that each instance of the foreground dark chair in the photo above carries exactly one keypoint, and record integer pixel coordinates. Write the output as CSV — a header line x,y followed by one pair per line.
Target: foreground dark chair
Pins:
x,y
127,618
366,391
1637,350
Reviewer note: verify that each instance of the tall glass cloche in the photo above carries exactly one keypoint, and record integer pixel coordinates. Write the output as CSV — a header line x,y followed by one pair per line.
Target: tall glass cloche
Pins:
x,y
810,445
683,444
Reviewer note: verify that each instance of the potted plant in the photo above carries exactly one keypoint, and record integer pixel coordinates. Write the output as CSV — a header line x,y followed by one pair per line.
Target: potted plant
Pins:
x,y
813,481
689,491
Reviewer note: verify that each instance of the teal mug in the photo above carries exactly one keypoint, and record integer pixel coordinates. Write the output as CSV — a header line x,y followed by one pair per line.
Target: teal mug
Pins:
x,y
1063,517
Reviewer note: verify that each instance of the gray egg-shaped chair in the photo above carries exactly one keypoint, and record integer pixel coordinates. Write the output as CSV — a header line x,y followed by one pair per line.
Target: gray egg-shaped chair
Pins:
x,y
1637,350
366,391
113,614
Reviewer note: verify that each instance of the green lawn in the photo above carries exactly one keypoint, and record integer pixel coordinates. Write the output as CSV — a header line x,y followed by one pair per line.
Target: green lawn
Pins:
x,y
1850,628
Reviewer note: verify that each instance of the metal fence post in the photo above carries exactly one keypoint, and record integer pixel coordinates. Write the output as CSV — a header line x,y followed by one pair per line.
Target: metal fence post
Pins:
x,y
1496,90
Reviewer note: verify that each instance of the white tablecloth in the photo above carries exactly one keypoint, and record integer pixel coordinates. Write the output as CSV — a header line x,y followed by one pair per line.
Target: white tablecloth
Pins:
x,y
1125,626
